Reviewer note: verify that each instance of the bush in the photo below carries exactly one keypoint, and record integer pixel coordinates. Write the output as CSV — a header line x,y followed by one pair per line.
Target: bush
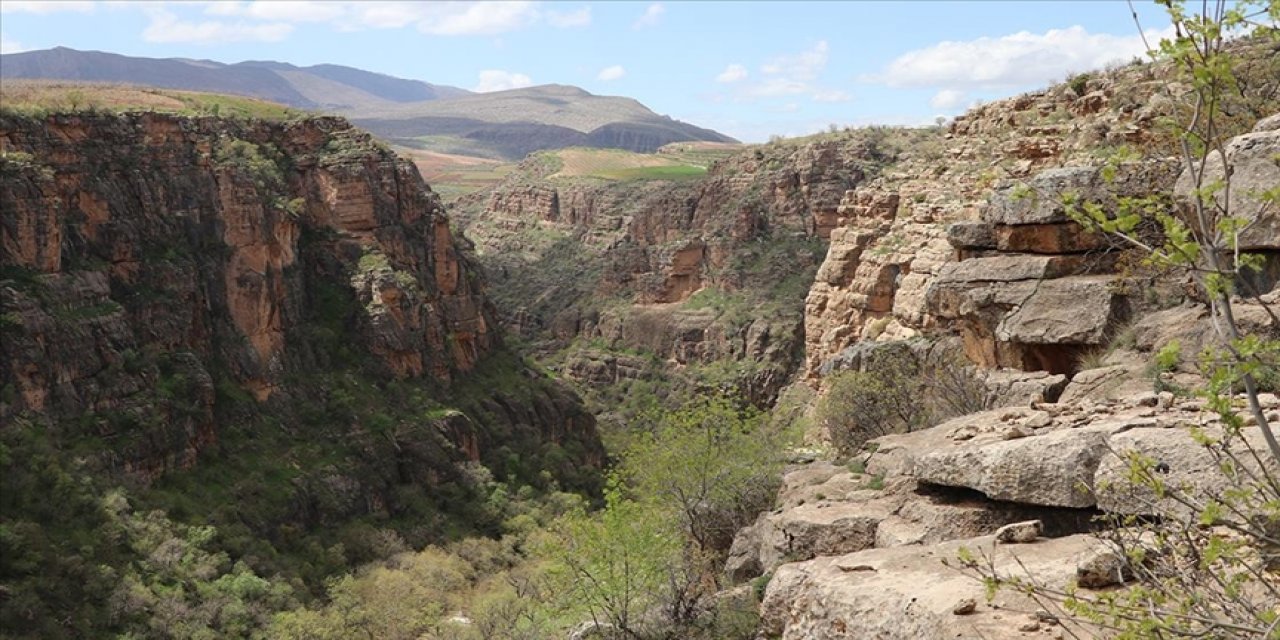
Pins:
x,y
897,391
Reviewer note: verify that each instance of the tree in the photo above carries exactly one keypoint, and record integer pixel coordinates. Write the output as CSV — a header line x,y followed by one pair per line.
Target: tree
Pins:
x,y
710,465
615,566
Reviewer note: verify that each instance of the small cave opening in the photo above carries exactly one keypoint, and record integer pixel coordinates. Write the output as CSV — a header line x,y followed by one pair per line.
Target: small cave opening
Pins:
x,y
1053,358
1058,521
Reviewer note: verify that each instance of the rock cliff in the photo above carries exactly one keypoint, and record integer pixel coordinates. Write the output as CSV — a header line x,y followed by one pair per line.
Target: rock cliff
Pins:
x,y
693,273
979,242
155,265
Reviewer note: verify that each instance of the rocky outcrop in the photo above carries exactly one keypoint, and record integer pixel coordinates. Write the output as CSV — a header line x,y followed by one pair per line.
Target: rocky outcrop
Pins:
x,y
1066,455
826,510
149,258
852,557
908,593
1032,289
1254,171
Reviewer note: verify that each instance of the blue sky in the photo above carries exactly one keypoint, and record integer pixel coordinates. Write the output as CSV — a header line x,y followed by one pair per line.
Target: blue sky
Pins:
x,y
749,69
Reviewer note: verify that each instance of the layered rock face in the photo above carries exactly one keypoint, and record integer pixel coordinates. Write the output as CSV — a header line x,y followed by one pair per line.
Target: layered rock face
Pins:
x,y
981,220
618,263
149,258
1033,290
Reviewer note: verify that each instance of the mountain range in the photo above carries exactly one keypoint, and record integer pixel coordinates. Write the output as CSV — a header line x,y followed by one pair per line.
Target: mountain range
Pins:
x,y
503,124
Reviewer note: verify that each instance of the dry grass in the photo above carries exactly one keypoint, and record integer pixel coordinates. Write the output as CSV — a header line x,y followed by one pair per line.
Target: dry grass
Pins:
x,y
35,96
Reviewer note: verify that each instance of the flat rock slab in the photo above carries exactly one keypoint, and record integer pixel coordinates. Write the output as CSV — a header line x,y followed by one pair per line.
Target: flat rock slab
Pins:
x,y
906,593
1055,469
1069,455
1182,464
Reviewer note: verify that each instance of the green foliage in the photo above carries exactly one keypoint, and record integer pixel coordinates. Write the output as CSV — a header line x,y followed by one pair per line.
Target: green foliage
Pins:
x,y
896,391
256,161
1079,83
616,565
709,465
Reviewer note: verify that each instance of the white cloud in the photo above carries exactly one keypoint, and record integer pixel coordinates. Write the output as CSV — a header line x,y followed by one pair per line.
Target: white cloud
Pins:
x,y
775,87
947,99
732,73
831,95
611,73
570,20
279,10
651,17
498,80
388,15
477,18
1011,61
45,6
436,18
165,27
787,75
803,66
10,46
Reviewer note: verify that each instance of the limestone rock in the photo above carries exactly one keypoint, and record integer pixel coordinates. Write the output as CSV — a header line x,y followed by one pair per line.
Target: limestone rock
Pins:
x,y
1251,157
1067,237
971,235
1181,463
1040,200
908,594
1053,469
1102,566
827,510
1012,387
1020,532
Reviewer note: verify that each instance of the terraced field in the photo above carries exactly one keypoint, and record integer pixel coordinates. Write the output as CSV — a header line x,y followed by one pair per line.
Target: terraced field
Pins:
x,y
681,162
453,175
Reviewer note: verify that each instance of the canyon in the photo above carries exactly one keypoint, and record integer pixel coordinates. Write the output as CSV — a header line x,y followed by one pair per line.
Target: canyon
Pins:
x,y
275,328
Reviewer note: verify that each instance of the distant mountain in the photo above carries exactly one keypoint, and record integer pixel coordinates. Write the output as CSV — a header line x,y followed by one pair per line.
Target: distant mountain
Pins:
x,y
516,122
502,124
324,86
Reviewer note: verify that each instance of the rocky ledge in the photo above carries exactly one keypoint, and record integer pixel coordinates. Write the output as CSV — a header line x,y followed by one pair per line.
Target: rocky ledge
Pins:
x,y
873,551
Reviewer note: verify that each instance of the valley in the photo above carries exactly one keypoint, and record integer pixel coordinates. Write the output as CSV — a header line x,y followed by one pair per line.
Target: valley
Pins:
x,y
431,369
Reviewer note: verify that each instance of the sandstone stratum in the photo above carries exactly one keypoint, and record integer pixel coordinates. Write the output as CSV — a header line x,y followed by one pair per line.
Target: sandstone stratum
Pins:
x,y
172,282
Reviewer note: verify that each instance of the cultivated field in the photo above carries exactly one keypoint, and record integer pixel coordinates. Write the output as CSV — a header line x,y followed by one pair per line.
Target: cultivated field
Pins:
x,y
452,175
615,164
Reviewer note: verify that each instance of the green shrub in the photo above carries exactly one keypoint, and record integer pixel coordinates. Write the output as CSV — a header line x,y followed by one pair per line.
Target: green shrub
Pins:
x,y
896,391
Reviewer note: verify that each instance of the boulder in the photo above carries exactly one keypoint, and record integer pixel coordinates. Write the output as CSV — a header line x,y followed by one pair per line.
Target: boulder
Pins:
x,y
1040,199
907,593
1011,387
1254,169
1124,375
1103,565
